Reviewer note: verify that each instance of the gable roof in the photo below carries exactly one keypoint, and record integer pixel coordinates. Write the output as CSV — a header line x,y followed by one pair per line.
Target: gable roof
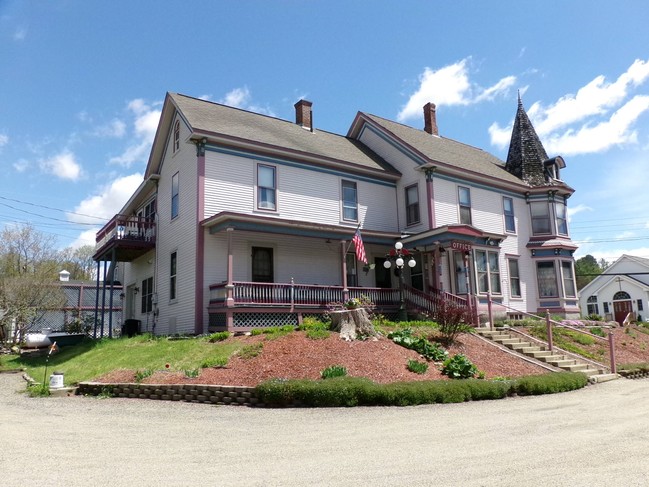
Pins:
x,y
609,273
270,133
443,151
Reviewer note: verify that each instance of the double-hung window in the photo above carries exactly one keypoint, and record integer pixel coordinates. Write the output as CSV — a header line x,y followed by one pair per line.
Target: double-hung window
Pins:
x,y
514,278
350,201
412,205
464,200
540,212
175,195
488,272
547,279
568,279
172,275
508,212
561,218
266,187
592,306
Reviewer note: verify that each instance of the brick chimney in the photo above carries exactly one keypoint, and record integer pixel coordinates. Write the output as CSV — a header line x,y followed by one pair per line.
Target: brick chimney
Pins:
x,y
430,119
303,114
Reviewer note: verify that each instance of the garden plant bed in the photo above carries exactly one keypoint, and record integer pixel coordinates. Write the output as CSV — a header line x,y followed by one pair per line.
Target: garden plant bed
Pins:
x,y
294,356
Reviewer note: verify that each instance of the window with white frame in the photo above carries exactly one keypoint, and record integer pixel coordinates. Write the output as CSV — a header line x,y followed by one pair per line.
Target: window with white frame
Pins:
x,y
568,279
147,295
464,200
514,278
561,217
488,272
176,136
540,212
508,212
412,204
591,305
350,201
173,266
547,279
175,195
266,187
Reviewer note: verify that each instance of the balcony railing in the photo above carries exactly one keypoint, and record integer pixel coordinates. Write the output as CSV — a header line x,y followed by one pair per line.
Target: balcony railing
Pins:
x,y
127,228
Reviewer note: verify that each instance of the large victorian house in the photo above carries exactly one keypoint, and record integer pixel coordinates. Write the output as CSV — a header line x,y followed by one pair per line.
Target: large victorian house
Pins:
x,y
244,220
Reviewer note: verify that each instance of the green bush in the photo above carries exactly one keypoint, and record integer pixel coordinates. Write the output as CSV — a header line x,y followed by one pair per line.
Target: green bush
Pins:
x,y
594,317
459,367
216,362
36,389
251,351
333,371
596,330
140,375
430,351
219,336
256,331
192,373
550,383
417,367
311,323
317,334
354,391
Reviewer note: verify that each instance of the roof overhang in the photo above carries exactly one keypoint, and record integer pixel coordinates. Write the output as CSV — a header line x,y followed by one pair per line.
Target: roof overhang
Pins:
x,y
445,236
255,223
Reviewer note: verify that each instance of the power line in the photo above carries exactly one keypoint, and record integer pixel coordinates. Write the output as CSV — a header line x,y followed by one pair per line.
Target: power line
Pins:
x,y
50,208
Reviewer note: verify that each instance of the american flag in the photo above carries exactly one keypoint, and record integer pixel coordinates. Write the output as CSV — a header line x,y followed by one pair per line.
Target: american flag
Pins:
x,y
360,248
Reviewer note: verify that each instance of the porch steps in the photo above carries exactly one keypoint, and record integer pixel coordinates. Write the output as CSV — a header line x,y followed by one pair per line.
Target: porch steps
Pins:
x,y
540,352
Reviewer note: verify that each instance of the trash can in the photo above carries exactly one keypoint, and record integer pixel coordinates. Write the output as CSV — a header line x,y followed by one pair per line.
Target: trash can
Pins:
x,y
56,380
131,328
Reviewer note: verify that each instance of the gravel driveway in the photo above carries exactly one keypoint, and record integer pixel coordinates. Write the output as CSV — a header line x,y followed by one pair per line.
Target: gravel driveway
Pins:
x,y
597,436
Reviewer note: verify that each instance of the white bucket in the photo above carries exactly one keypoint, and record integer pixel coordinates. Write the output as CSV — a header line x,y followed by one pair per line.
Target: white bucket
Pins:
x,y
56,380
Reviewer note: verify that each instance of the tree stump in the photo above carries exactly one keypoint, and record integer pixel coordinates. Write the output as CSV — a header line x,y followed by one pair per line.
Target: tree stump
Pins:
x,y
353,324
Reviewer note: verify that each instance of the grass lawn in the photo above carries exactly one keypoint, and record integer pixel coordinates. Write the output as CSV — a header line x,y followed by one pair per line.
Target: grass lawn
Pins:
x,y
91,359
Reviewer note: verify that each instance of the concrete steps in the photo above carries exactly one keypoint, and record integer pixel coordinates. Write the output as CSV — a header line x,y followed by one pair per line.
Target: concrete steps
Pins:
x,y
540,352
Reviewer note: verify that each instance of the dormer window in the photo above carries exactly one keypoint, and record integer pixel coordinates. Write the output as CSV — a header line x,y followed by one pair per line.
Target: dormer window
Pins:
x,y
552,168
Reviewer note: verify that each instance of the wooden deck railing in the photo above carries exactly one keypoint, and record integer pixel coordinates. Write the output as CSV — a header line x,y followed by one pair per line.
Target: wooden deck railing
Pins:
x,y
125,227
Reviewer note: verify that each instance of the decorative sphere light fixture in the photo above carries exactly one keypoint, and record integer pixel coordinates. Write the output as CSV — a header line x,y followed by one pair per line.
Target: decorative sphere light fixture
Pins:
x,y
398,256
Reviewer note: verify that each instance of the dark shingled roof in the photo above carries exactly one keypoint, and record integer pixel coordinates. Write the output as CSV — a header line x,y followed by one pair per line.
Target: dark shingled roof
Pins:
x,y
447,151
526,153
240,124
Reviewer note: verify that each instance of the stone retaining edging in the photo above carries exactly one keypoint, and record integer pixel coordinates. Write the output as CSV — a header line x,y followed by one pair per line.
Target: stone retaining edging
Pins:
x,y
196,393
634,374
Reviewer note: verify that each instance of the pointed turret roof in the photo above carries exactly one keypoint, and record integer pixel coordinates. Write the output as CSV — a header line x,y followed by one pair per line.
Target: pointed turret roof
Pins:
x,y
526,153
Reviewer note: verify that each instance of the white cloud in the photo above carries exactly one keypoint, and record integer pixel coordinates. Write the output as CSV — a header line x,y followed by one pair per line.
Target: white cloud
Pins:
x,y
599,116
21,165
108,201
573,210
145,123
63,166
4,139
241,98
88,237
115,129
450,85
20,34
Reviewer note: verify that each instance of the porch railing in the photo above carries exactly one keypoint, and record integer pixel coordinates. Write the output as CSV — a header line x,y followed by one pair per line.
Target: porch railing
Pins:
x,y
302,295
125,227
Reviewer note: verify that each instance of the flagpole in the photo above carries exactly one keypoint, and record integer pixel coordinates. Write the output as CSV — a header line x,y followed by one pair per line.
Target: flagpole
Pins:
x,y
352,241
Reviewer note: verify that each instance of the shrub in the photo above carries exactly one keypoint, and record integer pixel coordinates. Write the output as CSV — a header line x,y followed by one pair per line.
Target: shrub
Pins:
x,y
251,351
216,362
317,334
354,391
417,367
550,383
594,317
596,330
452,319
36,389
430,351
192,373
256,331
333,371
311,323
459,367
140,375
218,336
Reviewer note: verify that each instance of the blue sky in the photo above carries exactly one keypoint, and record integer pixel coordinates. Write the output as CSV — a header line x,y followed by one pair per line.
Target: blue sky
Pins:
x,y
82,84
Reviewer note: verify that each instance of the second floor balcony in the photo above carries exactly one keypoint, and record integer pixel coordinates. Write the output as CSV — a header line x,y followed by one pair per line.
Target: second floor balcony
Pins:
x,y
125,238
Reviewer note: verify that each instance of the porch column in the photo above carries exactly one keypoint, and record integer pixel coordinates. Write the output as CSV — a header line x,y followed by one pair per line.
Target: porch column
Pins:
x,y
199,277
343,259
469,299
430,197
229,301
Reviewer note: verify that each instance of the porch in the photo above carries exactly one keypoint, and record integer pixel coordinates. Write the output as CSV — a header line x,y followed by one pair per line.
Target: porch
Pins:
x,y
124,238
242,306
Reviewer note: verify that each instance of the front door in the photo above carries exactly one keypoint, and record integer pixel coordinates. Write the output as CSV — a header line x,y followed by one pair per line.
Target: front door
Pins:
x,y
621,310
262,264
383,278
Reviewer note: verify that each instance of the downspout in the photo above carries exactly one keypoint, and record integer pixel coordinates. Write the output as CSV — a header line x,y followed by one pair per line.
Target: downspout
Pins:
x,y
199,272
343,269
430,197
